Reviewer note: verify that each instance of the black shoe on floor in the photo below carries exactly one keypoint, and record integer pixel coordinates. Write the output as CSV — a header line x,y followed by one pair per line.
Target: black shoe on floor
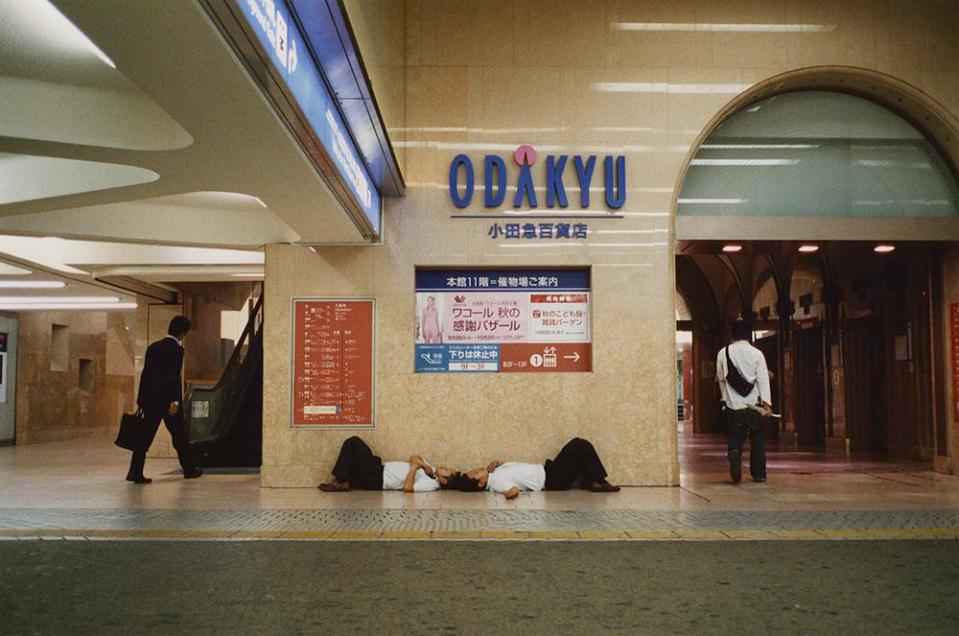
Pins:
x,y
735,466
193,474
759,479
139,480
603,486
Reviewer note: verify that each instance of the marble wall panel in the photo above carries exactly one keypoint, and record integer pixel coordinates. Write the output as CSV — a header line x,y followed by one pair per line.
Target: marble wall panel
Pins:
x,y
639,78
51,406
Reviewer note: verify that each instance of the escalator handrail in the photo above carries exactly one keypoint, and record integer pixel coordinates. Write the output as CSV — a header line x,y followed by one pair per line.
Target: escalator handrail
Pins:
x,y
248,333
233,371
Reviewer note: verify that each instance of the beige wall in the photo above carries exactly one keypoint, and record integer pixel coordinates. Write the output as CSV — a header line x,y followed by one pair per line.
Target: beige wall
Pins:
x,y
50,404
487,76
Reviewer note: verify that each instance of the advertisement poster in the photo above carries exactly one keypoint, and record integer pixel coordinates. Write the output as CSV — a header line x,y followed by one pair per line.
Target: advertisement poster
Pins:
x,y
502,321
332,363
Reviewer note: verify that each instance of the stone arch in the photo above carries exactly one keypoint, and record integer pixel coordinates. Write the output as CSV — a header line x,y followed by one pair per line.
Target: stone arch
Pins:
x,y
930,117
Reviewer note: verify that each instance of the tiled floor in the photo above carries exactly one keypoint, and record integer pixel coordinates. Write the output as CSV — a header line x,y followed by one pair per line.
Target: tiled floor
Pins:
x,y
75,490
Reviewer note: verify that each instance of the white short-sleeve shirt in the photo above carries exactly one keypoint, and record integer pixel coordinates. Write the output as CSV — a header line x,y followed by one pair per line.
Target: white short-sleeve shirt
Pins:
x,y
523,476
394,476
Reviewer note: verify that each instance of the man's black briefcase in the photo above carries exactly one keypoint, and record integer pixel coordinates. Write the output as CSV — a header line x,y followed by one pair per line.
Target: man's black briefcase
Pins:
x,y
132,431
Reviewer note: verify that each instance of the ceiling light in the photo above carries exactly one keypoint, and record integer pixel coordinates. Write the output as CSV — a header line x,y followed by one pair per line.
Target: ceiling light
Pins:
x,y
39,300
744,162
808,249
884,249
730,248
722,27
65,306
712,201
32,284
667,88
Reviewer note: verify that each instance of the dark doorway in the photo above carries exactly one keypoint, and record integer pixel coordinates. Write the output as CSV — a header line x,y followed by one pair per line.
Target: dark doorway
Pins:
x,y
769,345
810,402
865,424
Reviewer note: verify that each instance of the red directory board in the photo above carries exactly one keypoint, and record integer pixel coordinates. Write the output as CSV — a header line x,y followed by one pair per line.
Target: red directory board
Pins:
x,y
954,354
332,362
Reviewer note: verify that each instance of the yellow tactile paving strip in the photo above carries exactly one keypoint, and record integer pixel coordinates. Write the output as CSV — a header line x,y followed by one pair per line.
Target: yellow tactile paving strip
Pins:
x,y
492,535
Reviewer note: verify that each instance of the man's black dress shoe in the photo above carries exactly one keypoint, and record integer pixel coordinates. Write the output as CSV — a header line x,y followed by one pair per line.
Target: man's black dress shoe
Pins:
x,y
735,466
139,480
603,486
193,474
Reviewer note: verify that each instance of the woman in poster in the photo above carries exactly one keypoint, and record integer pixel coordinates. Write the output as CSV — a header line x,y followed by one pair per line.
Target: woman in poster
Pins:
x,y
430,322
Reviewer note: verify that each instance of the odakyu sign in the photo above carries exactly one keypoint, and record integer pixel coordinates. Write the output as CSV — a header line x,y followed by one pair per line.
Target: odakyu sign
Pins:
x,y
556,172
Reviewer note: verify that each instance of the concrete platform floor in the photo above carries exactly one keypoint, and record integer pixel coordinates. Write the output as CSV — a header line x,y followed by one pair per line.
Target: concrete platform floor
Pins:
x,y
76,489
84,552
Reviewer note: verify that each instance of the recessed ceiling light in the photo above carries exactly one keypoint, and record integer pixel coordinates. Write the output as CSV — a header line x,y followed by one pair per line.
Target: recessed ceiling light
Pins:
x,y
65,306
32,284
72,300
884,249
808,249
730,248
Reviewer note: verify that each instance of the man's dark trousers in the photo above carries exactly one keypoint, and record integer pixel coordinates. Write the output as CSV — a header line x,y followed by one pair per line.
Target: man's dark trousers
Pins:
x,y
358,465
577,460
739,425
177,428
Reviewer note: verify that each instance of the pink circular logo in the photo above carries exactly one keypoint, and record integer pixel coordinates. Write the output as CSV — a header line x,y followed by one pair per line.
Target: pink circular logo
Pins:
x,y
525,155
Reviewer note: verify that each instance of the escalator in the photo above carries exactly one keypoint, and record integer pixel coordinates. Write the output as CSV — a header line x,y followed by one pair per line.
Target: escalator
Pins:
x,y
225,421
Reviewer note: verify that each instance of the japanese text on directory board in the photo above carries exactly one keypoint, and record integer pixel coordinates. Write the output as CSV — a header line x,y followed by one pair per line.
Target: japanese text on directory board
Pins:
x,y
502,320
332,362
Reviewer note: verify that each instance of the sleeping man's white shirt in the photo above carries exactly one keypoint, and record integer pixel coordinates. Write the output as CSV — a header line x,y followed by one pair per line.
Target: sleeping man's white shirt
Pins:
x,y
394,476
523,476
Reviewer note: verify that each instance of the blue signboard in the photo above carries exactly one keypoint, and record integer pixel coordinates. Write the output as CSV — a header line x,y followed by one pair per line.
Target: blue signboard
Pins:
x,y
271,21
457,358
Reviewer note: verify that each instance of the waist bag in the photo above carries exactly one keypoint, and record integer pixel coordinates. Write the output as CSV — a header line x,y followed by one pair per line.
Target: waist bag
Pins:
x,y
735,379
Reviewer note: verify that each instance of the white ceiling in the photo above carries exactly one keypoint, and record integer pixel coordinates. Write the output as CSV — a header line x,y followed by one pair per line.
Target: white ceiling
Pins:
x,y
175,147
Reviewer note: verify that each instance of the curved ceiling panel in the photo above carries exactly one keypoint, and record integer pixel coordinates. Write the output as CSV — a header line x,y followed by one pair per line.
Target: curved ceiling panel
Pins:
x,y
32,177
202,218
57,85
65,113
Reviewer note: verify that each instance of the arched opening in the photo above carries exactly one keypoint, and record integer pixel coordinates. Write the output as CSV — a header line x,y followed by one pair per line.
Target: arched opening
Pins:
x,y
793,187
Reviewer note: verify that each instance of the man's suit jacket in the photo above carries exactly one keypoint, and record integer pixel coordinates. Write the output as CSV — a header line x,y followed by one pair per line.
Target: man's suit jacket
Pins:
x,y
160,381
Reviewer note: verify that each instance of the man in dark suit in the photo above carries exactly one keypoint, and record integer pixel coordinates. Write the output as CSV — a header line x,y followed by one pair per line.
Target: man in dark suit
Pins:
x,y
160,396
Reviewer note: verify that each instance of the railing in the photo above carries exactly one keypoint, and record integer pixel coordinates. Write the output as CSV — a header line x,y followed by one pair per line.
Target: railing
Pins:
x,y
211,410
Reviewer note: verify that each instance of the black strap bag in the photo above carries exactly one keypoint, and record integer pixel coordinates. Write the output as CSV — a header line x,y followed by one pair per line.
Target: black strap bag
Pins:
x,y
132,431
735,379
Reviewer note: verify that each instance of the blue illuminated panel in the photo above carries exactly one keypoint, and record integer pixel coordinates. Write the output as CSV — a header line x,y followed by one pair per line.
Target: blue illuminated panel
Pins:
x,y
271,21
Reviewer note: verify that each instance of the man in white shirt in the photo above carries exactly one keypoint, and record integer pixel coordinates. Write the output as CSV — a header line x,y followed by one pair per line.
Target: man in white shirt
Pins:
x,y
357,467
577,460
743,395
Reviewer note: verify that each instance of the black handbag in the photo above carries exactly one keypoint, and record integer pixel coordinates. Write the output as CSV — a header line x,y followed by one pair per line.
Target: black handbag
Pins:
x,y
735,379
132,431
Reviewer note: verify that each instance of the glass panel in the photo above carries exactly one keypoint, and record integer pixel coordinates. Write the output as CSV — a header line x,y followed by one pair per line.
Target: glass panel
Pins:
x,y
817,153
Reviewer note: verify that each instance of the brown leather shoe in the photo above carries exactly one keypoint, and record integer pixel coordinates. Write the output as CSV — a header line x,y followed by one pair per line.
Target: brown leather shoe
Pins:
x,y
603,486
335,486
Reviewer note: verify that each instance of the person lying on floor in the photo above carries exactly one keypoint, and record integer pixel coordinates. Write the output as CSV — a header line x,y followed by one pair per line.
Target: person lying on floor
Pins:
x,y
577,460
357,467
